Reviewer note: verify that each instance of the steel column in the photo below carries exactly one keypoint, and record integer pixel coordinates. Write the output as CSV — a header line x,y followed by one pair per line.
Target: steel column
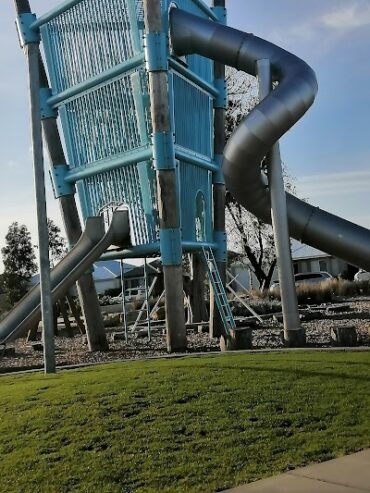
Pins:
x,y
32,57
123,291
147,295
293,333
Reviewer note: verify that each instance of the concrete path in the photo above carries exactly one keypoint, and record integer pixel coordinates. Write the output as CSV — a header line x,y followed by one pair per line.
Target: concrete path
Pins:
x,y
350,474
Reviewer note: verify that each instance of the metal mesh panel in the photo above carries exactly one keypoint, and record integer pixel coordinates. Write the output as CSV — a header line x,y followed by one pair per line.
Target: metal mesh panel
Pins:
x,y
193,116
124,186
194,179
201,66
88,39
140,10
103,122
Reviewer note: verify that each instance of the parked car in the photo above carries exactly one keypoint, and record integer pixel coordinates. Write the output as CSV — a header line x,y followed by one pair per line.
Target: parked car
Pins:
x,y
312,278
362,275
274,285
306,278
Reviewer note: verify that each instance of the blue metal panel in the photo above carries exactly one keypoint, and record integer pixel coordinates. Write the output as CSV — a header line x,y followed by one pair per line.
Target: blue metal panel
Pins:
x,y
183,70
193,180
193,114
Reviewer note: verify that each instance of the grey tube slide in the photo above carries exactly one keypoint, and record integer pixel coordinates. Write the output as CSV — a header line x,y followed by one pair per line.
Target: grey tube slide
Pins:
x,y
92,244
261,128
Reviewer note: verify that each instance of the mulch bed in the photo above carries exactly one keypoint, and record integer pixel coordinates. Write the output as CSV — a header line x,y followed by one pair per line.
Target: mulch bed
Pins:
x,y
73,350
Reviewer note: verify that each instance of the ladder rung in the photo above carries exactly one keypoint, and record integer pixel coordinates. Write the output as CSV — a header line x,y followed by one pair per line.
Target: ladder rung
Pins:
x,y
219,290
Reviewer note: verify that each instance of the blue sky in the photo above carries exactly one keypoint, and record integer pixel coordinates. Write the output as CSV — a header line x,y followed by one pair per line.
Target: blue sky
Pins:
x,y
328,151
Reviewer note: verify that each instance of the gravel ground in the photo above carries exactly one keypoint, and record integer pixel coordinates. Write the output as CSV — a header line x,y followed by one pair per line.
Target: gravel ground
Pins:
x,y
71,351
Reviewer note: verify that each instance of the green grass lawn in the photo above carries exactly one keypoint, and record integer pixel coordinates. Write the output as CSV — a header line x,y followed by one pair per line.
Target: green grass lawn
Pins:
x,y
199,424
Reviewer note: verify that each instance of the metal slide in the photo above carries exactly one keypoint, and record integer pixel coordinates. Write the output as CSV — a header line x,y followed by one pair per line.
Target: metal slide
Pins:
x,y
92,244
264,126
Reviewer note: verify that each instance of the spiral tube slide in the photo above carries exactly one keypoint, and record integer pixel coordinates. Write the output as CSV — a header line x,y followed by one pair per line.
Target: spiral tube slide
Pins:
x,y
92,244
263,127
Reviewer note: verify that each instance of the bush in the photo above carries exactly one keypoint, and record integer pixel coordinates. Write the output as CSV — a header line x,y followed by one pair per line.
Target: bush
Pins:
x,y
326,292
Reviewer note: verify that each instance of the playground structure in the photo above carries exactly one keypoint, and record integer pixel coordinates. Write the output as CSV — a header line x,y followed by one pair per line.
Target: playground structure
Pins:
x,y
139,88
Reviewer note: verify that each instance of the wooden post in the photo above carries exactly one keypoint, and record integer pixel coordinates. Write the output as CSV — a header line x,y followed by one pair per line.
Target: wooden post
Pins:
x,y
76,314
169,216
65,315
216,328
197,288
32,333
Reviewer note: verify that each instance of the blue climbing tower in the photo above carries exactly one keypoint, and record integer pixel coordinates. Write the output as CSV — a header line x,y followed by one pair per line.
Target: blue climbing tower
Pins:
x,y
99,57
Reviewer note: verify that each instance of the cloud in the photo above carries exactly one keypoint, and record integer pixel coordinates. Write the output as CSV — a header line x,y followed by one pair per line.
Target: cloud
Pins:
x,y
334,184
12,164
348,17
341,193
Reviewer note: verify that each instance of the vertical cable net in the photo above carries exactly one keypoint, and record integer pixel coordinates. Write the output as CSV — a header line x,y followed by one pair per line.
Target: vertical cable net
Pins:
x,y
193,117
122,186
88,39
112,118
102,123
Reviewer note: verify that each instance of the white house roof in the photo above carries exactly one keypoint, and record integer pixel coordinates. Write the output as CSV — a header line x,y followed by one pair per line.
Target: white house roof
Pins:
x,y
301,251
108,269
105,270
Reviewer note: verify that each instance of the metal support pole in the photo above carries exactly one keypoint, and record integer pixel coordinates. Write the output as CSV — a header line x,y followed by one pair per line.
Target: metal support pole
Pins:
x,y
32,56
143,307
293,333
155,307
147,299
216,328
124,313
168,200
